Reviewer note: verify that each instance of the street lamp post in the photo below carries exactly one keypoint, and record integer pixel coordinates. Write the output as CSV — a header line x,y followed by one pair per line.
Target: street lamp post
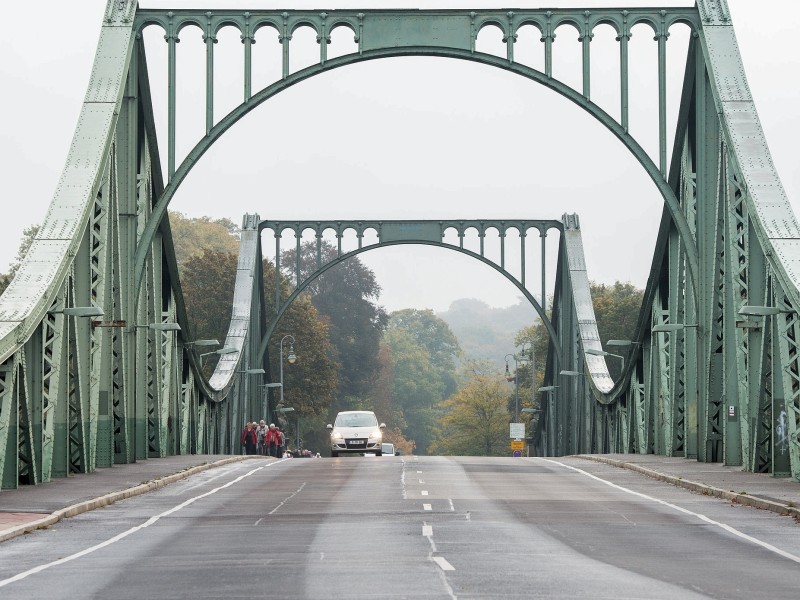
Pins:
x,y
265,404
287,409
551,422
290,357
516,385
243,386
517,360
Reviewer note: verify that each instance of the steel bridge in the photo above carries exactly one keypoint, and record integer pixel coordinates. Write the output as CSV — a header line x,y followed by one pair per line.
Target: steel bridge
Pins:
x,y
712,373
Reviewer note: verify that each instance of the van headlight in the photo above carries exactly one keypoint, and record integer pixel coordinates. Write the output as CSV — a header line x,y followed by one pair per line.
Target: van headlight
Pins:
x,y
336,435
375,435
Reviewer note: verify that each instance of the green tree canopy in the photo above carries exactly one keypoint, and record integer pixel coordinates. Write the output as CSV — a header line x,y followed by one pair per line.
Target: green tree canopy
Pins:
x,y
434,335
417,386
346,296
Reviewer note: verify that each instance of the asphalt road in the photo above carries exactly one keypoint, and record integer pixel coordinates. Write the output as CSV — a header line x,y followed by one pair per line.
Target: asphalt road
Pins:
x,y
407,527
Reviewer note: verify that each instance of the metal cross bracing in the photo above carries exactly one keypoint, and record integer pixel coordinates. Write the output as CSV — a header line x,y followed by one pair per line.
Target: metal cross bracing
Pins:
x,y
712,372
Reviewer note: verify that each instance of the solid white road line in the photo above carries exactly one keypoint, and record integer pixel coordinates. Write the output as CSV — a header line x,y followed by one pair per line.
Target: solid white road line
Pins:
x,y
703,518
427,530
125,534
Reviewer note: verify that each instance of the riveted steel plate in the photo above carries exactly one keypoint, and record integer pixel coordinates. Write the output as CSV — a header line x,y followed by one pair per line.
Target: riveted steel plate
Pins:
x,y
89,146
8,341
765,190
247,252
788,252
110,65
242,295
746,133
714,12
726,64
398,31
589,333
577,262
237,328
775,214
31,282
61,222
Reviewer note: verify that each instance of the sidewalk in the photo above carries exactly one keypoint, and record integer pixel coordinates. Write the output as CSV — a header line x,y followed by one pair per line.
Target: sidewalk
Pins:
x,y
32,507
760,490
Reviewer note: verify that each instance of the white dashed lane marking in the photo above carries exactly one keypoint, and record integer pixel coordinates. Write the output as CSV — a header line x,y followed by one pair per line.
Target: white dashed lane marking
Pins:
x,y
442,562
424,492
426,507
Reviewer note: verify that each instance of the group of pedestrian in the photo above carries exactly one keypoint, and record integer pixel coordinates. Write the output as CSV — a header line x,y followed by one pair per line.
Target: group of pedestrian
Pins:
x,y
257,438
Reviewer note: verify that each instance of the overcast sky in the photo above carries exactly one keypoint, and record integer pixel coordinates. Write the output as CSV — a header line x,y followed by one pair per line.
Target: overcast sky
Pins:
x,y
412,138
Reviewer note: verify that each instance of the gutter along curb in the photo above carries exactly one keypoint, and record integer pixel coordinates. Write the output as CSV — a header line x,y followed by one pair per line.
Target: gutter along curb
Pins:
x,y
111,498
700,488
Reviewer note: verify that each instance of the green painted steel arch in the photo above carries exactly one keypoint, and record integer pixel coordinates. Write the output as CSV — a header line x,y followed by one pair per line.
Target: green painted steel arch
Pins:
x,y
670,199
340,259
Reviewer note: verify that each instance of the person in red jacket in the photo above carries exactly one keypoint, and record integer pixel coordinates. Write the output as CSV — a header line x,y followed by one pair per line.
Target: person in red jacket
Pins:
x,y
249,439
272,441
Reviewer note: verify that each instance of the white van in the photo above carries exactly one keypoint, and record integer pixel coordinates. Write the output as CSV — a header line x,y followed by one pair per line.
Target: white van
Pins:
x,y
356,432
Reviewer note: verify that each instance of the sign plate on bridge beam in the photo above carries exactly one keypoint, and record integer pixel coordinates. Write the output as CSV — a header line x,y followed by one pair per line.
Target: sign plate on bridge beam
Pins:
x,y
403,232
403,30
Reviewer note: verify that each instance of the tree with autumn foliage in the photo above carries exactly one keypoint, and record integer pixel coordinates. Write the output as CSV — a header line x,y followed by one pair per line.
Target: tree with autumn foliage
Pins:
x,y
310,383
191,236
475,419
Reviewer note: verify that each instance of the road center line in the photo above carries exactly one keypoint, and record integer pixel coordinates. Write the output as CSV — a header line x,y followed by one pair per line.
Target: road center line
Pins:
x,y
442,562
297,491
703,518
124,534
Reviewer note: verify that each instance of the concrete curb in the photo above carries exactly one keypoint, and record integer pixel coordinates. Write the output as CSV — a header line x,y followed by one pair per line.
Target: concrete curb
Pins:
x,y
700,488
86,506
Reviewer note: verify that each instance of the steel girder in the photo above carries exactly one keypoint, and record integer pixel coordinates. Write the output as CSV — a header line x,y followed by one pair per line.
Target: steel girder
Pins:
x,y
81,392
723,381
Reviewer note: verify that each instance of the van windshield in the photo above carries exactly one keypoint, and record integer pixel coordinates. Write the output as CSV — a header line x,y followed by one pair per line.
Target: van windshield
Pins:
x,y
364,419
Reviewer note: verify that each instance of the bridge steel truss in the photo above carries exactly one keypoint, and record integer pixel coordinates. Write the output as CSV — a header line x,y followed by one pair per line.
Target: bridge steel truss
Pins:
x,y
713,372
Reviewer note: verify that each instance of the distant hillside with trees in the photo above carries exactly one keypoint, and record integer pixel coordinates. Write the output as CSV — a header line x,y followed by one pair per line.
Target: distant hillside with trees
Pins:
x,y
485,333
